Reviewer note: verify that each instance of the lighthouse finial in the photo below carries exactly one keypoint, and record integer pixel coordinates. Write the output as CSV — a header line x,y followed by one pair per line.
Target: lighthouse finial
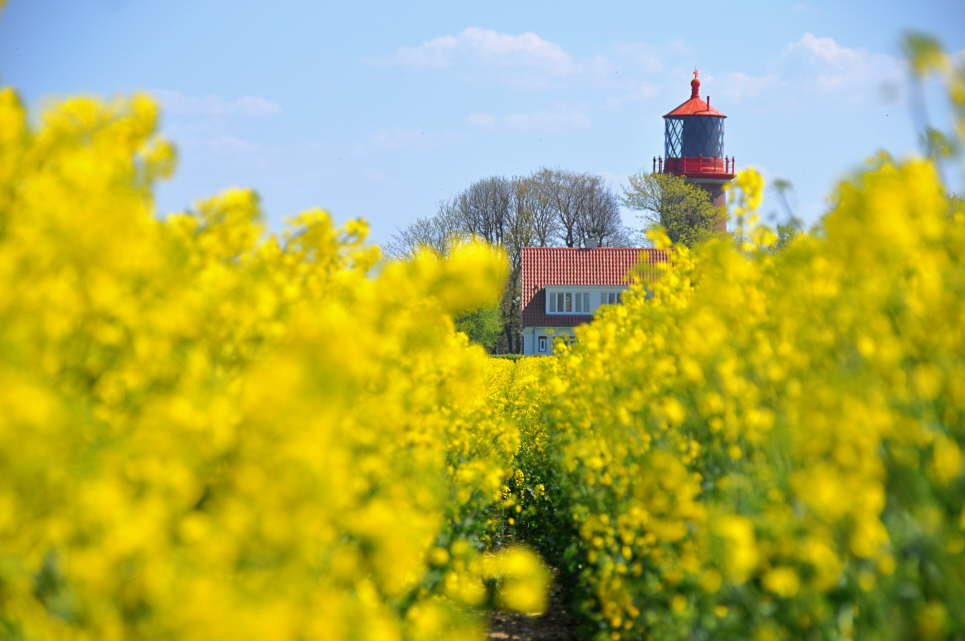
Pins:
x,y
695,86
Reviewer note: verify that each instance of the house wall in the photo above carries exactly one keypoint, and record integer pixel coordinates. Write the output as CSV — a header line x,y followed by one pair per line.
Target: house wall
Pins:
x,y
531,338
531,335
528,340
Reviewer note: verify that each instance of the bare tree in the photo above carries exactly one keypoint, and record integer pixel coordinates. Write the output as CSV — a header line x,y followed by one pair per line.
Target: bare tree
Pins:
x,y
520,224
598,224
562,189
483,209
547,208
585,211
436,233
536,192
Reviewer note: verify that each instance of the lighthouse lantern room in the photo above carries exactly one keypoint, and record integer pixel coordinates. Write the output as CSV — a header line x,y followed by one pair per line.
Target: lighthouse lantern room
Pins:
x,y
694,145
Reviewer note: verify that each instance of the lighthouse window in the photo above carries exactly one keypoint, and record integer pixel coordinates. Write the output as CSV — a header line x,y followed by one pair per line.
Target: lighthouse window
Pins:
x,y
702,136
672,137
694,136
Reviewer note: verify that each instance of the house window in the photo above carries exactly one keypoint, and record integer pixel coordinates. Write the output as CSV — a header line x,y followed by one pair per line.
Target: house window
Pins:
x,y
609,298
582,302
561,302
541,344
569,302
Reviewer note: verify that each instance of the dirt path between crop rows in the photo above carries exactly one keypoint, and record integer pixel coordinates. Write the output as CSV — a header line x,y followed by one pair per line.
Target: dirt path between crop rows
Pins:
x,y
554,625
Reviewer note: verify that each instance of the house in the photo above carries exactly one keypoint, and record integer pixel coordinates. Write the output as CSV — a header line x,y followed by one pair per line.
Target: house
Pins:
x,y
563,286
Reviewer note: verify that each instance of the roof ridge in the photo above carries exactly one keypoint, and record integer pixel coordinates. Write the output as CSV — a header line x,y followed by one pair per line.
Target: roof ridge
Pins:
x,y
591,248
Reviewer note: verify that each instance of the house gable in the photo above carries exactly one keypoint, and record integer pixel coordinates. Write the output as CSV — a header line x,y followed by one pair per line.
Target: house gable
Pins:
x,y
562,266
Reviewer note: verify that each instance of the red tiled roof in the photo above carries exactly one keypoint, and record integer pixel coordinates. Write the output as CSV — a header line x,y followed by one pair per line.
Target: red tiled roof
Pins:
x,y
695,107
542,266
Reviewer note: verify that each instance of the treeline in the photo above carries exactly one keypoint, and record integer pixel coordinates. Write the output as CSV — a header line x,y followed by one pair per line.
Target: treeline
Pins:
x,y
550,208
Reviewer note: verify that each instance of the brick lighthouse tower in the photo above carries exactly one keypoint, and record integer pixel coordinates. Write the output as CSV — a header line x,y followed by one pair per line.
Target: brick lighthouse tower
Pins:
x,y
694,146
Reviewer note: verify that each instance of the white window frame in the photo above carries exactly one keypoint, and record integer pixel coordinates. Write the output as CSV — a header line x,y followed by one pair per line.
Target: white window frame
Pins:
x,y
580,300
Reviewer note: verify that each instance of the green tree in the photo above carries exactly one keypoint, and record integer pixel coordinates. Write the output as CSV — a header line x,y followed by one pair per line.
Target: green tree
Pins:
x,y
787,225
684,210
483,326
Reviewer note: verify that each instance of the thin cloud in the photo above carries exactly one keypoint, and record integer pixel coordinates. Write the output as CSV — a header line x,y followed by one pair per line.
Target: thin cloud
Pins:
x,y
398,139
228,144
638,72
737,85
831,66
395,139
546,120
210,134
177,103
438,52
634,57
485,121
528,59
816,63
490,48
642,92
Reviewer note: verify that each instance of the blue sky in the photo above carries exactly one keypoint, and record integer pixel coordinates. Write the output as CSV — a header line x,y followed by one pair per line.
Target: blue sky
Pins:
x,y
380,110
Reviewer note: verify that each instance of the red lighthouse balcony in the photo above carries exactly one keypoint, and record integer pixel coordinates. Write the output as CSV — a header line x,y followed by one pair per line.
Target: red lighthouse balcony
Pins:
x,y
695,167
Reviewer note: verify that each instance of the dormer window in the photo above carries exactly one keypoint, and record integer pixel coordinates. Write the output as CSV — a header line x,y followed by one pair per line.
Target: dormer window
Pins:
x,y
561,299
569,302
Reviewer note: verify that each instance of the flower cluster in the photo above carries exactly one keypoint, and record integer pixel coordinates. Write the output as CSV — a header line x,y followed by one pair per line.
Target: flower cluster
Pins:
x,y
208,431
767,443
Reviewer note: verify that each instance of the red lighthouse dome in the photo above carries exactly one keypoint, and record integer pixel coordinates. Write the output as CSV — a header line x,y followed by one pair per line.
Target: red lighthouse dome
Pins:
x,y
694,141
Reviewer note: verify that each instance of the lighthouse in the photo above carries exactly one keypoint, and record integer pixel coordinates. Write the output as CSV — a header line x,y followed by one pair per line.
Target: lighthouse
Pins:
x,y
694,145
